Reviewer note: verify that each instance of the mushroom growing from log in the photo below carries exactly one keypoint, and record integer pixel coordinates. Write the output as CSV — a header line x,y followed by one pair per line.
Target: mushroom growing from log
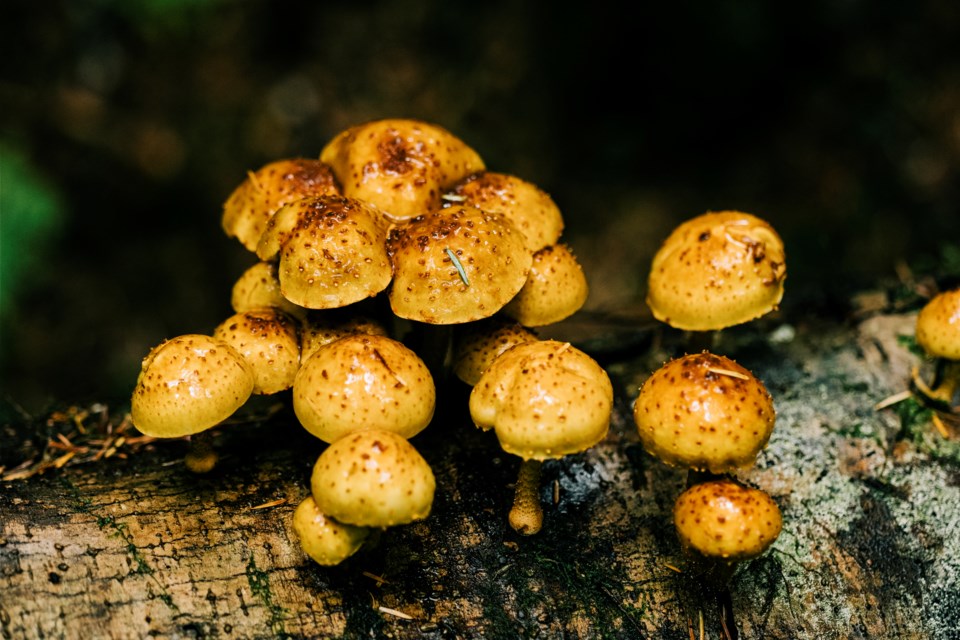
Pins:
x,y
326,540
544,400
938,334
269,340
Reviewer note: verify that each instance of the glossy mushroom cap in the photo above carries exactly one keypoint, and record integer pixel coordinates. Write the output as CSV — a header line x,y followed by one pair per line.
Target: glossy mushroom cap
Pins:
x,y
725,520
258,287
529,208
705,412
327,541
477,344
332,251
188,384
455,265
251,205
320,328
360,382
717,270
373,479
555,289
402,166
938,326
269,340
544,399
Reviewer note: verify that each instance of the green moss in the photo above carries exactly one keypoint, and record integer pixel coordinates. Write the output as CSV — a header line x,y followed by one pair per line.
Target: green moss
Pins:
x,y
259,582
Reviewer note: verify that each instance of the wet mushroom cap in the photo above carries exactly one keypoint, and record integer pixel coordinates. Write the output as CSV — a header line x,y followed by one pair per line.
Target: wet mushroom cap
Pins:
x,y
725,520
188,384
544,399
373,479
455,265
327,541
269,340
705,412
322,327
555,289
717,270
258,287
363,381
527,206
332,251
938,326
400,165
255,200
477,344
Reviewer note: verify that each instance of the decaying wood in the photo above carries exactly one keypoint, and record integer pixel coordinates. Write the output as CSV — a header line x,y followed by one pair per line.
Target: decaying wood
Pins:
x,y
132,545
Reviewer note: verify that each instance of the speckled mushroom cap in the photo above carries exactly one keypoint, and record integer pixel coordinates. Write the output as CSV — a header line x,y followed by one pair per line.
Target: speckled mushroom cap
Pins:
x,y
363,381
705,412
188,384
400,165
455,265
258,287
544,399
717,270
477,344
320,328
327,541
938,325
373,479
269,340
526,205
251,205
725,520
555,289
332,251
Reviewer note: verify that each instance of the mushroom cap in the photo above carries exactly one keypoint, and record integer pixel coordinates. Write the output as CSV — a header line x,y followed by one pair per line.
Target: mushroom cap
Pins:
x,y
555,289
251,205
544,399
477,344
527,206
938,325
363,381
258,287
332,251
373,479
188,384
726,520
427,283
705,412
320,328
269,340
715,271
327,541
400,165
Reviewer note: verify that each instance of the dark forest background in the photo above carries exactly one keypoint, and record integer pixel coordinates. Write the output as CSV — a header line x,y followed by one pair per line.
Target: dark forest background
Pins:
x,y
125,124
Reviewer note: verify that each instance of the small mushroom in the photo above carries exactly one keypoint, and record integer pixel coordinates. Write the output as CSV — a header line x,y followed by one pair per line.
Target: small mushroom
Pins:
x,y
255,200
477,344
722,523
373,478
327,541
258,287
717,270
320,328
363,381
269,340
938,334
704,412
332,251
401,166
526,205
544,400
555,289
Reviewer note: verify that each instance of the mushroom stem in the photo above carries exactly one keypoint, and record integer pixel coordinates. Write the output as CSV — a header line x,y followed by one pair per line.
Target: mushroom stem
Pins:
x,y
526,516
944,386
201,456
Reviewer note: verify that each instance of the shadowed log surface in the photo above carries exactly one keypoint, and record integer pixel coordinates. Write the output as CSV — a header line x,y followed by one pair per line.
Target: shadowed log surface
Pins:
x,y
132,545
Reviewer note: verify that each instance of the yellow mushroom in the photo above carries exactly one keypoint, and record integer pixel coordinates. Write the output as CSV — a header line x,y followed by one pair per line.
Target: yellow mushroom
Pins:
x,y
554,290
327,541
320,328
477,344
269,340
938,334
259,286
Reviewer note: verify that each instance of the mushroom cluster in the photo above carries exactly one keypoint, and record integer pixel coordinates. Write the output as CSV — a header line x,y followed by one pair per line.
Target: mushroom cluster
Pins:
x,y
388,261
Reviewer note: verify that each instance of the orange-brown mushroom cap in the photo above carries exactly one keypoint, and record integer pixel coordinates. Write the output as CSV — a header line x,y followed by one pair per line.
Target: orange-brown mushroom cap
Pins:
x,y
725,520
555,289
400,165
705,412
456,265
938,326
269,340
717,270
477,344
327,541
188,384
259,286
